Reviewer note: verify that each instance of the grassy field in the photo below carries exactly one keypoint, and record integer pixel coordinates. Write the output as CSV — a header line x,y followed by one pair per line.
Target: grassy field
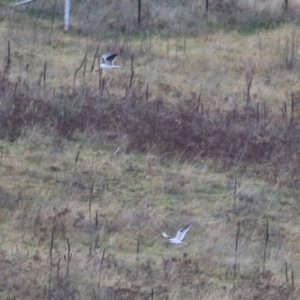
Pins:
x,y
200,125
134,198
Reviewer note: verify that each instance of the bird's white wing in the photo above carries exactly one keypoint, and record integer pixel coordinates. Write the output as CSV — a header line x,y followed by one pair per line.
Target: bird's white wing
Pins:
x,y
182,231
106,55
165,235
104,58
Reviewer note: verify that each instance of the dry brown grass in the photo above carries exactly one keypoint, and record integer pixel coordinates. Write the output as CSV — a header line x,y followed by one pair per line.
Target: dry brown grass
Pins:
x,y
135,198
175,166
215,65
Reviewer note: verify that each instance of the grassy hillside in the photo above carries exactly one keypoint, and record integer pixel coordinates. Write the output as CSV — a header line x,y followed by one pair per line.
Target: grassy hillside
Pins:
x,y
200,125
114,229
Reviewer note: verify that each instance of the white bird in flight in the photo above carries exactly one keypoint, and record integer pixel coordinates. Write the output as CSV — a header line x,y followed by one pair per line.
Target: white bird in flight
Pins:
x,y
108,61
179,235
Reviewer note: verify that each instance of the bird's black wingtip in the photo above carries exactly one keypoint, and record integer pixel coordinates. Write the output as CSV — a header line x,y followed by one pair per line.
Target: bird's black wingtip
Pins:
x,y
112,56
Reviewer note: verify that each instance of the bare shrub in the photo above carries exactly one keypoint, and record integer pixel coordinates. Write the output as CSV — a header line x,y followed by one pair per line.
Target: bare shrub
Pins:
x,y
63,289
243,136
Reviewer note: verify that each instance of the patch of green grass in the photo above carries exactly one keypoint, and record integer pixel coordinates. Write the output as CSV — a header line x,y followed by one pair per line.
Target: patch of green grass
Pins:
x,y
210,189
248,24
7,2
250,28
44,14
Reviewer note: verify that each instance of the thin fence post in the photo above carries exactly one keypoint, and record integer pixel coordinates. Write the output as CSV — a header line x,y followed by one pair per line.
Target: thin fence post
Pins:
x,y
45,73
68,258
168,44
236,247
8,61
198,103
206,7
51,260
52,19
266,243
95,57
139,11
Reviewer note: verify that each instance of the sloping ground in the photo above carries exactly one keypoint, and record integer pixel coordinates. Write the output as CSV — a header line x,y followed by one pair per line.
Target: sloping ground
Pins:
x,y
251,139
103,177
93,170
112,208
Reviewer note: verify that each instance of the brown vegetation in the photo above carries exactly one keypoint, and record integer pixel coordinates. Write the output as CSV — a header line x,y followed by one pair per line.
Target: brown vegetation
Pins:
x,y
247,138
94,166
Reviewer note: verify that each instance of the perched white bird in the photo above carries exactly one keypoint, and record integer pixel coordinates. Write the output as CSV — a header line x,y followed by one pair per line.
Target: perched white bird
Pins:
x,y
179,235
108,61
